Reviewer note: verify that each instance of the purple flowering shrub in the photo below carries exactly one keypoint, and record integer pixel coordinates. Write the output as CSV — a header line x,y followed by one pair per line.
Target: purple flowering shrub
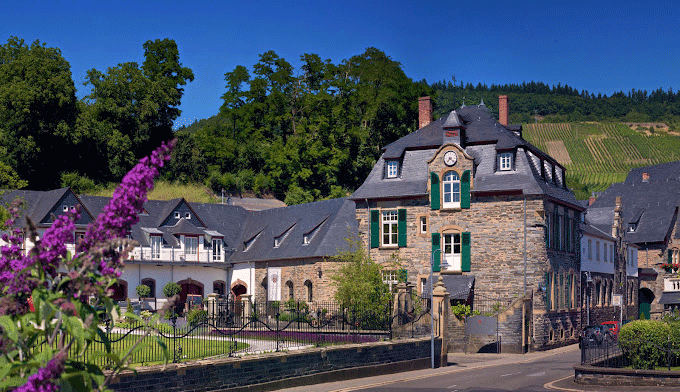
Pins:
x,y
44,350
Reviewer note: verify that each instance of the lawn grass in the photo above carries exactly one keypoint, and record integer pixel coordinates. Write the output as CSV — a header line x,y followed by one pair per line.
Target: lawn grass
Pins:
x,y
196,347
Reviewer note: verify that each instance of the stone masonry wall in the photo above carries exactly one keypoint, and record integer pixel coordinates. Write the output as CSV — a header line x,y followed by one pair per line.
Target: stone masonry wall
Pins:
x,y
226,373
317,271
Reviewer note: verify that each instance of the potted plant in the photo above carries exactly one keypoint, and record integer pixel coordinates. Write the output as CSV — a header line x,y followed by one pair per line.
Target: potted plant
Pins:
x,y
667,267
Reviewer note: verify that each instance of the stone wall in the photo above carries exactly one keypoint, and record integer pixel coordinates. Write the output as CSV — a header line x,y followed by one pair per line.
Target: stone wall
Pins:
x,y
283,369
317,271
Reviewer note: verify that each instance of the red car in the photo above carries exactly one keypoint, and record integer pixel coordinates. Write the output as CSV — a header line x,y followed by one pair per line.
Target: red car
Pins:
x,y
613,327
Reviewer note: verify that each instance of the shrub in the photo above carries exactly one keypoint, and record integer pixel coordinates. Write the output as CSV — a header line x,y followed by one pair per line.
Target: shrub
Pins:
x,y
171,289
143,291
644,342
196,316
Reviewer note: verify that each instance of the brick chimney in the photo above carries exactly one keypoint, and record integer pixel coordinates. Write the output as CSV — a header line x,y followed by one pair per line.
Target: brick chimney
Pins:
x,y
645,177
503,109
424,111
592,199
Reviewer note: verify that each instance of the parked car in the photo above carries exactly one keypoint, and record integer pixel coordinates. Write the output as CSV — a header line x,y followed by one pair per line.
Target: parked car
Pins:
x,y
613,327
595,336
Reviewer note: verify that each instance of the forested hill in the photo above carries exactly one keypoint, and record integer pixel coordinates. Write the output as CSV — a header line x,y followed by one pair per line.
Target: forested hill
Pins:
x,y
595,154
298,133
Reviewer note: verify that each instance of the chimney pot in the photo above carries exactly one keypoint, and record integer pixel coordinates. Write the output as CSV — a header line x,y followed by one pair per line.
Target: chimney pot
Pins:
x,y
424,111
503,109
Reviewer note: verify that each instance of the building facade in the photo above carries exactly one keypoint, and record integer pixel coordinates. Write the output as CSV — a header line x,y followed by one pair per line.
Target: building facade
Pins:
x,y
470,194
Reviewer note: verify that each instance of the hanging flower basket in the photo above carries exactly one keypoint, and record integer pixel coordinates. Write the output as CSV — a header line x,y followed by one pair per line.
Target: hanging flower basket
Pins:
x,y
667,267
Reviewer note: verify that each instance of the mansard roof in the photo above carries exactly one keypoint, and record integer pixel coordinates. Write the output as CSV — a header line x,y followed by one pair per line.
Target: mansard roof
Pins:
x,y
652,206
481,137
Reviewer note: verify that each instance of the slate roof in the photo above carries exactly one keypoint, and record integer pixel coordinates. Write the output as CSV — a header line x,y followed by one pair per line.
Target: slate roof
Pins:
x,y
481,137
653,205
326,224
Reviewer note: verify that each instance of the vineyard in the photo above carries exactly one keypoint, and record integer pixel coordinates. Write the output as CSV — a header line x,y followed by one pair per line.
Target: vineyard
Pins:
x,y
599,154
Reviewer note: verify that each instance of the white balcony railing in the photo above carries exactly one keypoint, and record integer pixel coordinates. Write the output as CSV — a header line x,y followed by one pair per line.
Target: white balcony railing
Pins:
x,y
174,255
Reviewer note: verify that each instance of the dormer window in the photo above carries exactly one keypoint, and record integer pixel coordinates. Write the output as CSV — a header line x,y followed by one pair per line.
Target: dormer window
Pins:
x,y
187,215
392,169
277,241
177,215
632,227
505,161
306,239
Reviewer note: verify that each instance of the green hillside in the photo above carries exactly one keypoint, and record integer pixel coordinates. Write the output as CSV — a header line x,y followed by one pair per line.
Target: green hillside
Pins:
x,y
599,154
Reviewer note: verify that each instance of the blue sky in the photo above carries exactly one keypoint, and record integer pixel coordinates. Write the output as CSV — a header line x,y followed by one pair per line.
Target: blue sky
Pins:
x,y
602,47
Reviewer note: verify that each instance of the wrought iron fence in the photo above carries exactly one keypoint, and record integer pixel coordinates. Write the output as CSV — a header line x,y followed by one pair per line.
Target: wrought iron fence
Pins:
x,y
229,327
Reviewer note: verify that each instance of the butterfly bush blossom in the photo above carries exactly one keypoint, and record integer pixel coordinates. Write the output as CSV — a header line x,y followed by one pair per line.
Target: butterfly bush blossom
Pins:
x,y
97,262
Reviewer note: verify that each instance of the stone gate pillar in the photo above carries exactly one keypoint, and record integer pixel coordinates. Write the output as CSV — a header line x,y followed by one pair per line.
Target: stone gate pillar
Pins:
x,y
247,305
212,307
441,311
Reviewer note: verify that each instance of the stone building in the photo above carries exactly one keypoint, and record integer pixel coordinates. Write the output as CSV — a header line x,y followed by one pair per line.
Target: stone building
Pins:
x,y
470,193
650,201
609,267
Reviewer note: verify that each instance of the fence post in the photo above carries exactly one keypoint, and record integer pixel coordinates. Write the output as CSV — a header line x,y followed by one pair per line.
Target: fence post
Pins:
x,y
247,306
668,353
441,303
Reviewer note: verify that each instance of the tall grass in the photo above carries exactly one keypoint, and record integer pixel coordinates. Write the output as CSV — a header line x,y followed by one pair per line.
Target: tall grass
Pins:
x,y
164,190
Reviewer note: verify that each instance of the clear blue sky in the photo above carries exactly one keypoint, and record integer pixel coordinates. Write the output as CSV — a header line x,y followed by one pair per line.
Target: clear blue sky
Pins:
x,y
602,47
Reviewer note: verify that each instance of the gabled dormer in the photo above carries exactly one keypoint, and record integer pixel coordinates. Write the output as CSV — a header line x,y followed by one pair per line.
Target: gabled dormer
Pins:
x,y
181,210
60,202
278,239
309,235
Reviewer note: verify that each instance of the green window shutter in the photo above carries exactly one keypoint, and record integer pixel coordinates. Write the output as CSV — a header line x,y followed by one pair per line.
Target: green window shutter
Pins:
x,y
548,292
435,197
436,244
401,227
465,190
670,256
375,228
403,275
465,252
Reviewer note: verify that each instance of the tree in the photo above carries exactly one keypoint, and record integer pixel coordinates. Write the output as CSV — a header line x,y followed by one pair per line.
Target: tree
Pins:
x,y
38,108
143,291
358,280
132,109
171,289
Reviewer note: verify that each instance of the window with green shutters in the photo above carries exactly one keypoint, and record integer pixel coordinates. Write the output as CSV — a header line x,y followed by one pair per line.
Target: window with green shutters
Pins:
x,y
435,197
436,256
401,227
465,190
375,228
465,257
670,256
393,232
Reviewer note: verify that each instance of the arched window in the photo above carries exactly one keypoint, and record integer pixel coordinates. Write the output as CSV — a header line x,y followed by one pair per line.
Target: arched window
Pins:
x,y
152,285
451,188
289,284
308,286
219,287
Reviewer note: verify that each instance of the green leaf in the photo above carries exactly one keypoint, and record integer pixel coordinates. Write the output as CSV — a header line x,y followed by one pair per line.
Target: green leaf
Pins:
x,y
75,328
10,328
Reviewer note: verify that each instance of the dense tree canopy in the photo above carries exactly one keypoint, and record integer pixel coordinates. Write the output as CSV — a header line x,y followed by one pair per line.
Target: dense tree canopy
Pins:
x,y
309,133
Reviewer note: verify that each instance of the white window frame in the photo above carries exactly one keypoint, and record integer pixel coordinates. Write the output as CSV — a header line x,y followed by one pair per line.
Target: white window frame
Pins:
x,y
390,277
505,161
390,228
155,242
423,224
177,215
217,249
451,190
190,245
392,168
452,249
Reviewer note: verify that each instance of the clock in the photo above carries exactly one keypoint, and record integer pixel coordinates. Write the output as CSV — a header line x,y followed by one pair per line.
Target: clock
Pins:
x,y
450,158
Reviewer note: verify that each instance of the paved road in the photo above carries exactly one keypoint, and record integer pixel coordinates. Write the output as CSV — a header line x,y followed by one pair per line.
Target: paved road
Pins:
x,y
548,370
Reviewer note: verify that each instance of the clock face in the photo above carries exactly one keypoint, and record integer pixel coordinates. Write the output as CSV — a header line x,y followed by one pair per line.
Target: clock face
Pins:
x,y
450,158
